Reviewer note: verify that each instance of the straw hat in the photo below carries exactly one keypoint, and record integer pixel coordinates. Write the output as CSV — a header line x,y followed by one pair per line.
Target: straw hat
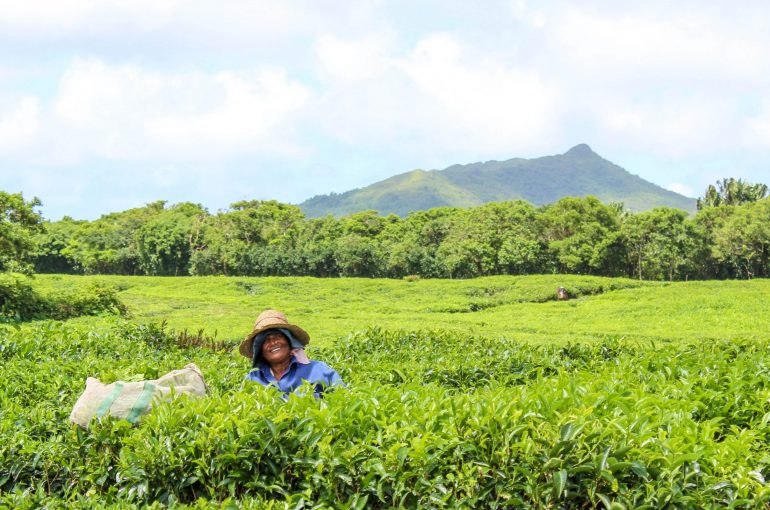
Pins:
x,y
271,319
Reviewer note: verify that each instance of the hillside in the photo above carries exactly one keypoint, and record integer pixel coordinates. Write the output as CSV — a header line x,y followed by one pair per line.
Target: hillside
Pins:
x,y
577,172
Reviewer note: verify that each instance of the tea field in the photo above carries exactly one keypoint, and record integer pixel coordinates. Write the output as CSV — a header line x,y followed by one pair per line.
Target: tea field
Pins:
x,y
484,393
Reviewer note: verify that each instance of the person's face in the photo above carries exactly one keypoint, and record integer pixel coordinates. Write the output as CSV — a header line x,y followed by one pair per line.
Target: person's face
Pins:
x,y
276,348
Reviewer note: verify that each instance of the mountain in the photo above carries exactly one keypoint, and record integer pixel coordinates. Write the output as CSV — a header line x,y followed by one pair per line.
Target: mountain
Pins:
x,y
577,172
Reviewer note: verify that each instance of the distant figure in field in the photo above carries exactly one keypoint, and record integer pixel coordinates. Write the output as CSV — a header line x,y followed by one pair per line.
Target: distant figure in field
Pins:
x,y
277,353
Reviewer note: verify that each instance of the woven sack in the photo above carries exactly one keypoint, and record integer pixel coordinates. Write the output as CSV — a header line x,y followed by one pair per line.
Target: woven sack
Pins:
x,y
132,400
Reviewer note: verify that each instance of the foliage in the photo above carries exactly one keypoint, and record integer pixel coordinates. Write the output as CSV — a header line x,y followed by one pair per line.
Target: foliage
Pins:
x,y
18,223
742,242
51,242
524,306
19,301
582,235
266,238
732,192
164,242
429,419
659,243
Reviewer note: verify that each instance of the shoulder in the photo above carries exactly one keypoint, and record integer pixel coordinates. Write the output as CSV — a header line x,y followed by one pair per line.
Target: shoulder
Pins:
x,y
255,374
318,364
321,366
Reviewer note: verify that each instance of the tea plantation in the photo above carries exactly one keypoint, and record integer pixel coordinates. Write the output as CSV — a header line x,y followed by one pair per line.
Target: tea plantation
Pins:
x,y
484,393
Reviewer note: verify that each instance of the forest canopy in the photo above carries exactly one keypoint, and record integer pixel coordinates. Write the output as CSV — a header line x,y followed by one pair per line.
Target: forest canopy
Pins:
x,y
729,237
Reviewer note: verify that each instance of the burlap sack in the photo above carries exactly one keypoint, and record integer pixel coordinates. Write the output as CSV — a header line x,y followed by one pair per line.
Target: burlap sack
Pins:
x,y
132,400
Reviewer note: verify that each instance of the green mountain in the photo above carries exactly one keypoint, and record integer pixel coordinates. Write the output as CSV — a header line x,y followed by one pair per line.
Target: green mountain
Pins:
x,y
577,172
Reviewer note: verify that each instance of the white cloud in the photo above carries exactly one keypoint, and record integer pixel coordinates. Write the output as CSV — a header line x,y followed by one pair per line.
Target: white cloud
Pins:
x,y
20,125
673,126
480,103
436,96
757,128
680,188
183,19
175,89
674,45
247,119
126,112
343,62
522,12
51,17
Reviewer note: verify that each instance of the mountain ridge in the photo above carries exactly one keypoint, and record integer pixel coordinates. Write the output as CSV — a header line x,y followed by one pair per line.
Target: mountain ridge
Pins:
x,y
578,172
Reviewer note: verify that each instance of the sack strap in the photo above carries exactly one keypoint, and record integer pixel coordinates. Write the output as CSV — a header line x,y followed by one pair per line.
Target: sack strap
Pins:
x,y
109,399
141,403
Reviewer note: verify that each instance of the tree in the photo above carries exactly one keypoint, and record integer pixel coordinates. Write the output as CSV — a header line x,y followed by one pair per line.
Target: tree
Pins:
x,y
707,223
495,238
357,255
49,244
658,243
732,192
413,244
19,222
165,240
583,235
110,244
742,241
316,241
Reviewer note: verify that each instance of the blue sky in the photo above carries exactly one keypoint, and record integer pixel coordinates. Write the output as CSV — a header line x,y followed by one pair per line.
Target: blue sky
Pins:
x,y
107,105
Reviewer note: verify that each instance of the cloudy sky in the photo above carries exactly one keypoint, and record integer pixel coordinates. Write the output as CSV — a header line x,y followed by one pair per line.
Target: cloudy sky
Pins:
x,y
111,104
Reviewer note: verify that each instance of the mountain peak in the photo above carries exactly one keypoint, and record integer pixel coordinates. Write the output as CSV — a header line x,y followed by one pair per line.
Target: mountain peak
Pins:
x,y
580,150
545,180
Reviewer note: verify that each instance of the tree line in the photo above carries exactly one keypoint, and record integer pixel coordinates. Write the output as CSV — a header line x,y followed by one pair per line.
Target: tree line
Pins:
x,y
728,237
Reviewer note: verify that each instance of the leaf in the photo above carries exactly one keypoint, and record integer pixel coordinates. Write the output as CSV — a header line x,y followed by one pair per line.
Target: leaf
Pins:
x,y
360,502
559,483
640,469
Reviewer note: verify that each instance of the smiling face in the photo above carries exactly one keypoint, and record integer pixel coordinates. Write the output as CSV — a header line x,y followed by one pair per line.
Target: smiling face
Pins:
x,y
276,349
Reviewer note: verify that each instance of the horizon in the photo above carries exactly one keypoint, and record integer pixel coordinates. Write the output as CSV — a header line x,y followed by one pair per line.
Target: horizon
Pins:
x,y
108,107
210,211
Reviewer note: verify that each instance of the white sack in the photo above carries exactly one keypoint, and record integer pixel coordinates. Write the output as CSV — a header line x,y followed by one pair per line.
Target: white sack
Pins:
x,y
131,400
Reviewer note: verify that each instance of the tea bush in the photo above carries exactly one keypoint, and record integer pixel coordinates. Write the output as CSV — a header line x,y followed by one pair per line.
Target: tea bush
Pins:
x,y
19,301
428,419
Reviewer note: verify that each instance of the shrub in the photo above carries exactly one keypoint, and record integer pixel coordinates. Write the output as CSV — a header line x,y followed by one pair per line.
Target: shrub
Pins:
x,y
92,300
429,419
19,301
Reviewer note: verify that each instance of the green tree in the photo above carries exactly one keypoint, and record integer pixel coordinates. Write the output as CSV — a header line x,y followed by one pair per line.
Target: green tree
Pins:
x,y
110,244
742,241
732,192
165,241
357,255
316,244
706,225
583,236
358,251
412,244
495,238
659,243
49,244
19,222
235,241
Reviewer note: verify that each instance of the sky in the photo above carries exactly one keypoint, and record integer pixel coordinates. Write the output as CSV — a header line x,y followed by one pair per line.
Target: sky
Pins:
x,y
106,105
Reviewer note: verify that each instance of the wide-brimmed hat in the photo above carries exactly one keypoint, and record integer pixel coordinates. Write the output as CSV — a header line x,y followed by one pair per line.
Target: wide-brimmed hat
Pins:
x,y
271,319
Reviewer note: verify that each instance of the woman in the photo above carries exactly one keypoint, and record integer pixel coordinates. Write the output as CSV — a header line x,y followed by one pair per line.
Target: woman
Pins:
x,y
277,354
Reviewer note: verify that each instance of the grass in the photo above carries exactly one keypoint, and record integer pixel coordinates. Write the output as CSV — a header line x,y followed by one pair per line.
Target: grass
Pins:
x,y
517,308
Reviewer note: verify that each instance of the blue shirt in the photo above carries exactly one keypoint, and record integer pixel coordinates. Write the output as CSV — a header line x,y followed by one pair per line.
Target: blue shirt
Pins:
x,y
317,373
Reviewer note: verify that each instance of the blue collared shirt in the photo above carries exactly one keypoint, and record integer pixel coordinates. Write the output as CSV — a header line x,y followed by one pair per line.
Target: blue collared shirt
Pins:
x,y
317,373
